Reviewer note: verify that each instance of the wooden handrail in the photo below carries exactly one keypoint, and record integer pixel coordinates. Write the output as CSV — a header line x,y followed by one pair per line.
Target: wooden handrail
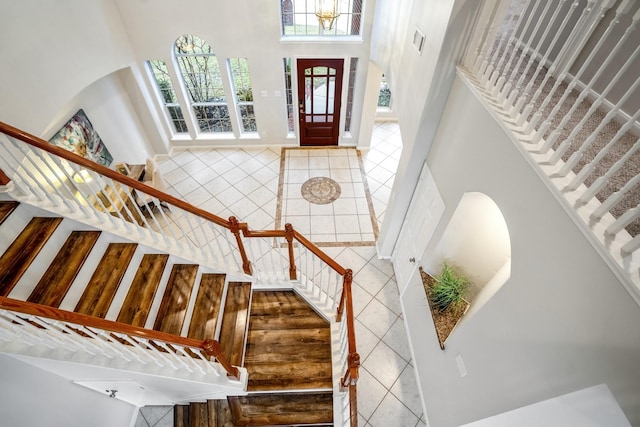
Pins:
x,y
110,173
4,179
210,347
320,254
289,234
235,229
353,359
52,313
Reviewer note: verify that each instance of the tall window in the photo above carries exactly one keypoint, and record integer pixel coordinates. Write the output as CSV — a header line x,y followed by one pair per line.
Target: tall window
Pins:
x,y
353,67
202,79
167,95
384,96
244,96
299,18
288,92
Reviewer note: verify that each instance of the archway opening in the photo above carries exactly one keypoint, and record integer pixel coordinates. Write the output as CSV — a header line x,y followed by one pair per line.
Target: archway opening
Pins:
x,y
477,241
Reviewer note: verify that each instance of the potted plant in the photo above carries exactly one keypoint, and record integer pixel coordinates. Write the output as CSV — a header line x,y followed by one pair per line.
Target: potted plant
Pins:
x,y
445,294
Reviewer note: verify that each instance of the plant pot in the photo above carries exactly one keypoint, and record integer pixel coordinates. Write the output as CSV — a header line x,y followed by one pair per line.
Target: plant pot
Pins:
x,y
444,321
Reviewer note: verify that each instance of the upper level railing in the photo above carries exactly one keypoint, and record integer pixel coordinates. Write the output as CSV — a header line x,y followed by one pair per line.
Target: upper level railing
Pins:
x,y
563,78
61,181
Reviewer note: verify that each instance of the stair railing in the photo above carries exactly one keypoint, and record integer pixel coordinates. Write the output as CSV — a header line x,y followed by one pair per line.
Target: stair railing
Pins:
x,y
74,186
53,178
559,76
286,256
28,324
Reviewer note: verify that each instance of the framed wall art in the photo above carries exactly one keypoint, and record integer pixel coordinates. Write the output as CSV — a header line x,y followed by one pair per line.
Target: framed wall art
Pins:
x,y
78,136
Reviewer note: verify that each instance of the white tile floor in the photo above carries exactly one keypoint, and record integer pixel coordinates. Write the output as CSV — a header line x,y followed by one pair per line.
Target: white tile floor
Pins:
x,y
244,183
347,220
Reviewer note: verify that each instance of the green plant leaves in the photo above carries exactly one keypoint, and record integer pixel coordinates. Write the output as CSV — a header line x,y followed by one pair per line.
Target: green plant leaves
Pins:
x,y
450,287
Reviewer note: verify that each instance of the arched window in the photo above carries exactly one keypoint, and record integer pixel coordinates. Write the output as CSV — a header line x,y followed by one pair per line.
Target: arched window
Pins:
x,y
203,82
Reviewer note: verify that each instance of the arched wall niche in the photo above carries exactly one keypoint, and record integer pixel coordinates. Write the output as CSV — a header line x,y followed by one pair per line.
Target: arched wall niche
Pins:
x,y
477,241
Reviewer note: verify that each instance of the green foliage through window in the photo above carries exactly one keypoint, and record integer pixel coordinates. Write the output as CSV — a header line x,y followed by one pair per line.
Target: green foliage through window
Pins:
x,y
202,78
168,94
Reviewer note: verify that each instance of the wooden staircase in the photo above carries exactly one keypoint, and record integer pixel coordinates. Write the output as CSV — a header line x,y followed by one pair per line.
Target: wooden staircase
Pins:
x,y
282,342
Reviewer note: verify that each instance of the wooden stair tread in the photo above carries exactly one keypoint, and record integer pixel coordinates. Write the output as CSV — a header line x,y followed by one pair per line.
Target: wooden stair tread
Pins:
x,y
289,376
6,208
137,303
270,302
175,300
56,281
272,353
207,307
289,336
282,409
287,347
234,321
24,249
104,282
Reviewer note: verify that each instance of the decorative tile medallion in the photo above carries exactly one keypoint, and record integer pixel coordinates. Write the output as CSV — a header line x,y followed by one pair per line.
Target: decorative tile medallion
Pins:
x,y
320,190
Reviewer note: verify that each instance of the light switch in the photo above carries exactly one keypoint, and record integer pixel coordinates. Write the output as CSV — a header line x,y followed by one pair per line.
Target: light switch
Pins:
x,y
264,93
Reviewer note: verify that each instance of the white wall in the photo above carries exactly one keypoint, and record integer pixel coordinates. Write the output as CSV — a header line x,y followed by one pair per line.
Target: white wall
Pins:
x,y
420,85
245,29
475,240
562,322
53,50
109,108
34,397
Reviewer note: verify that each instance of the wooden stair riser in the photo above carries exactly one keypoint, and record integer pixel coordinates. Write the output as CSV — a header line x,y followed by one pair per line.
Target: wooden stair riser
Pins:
x,y
282,409
288,344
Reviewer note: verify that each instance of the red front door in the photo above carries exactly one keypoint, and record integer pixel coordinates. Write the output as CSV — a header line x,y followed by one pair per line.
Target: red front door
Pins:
x,y
319,89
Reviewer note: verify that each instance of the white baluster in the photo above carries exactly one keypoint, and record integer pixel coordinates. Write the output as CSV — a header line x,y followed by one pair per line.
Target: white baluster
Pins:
x,y
492,72
587,90
564,146
515,110
613,199
589,61
170,353
575,157
490,30
631,246
624,220
558,32
587,169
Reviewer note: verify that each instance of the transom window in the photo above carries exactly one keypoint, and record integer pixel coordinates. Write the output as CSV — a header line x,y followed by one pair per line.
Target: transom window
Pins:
x,y
299,18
